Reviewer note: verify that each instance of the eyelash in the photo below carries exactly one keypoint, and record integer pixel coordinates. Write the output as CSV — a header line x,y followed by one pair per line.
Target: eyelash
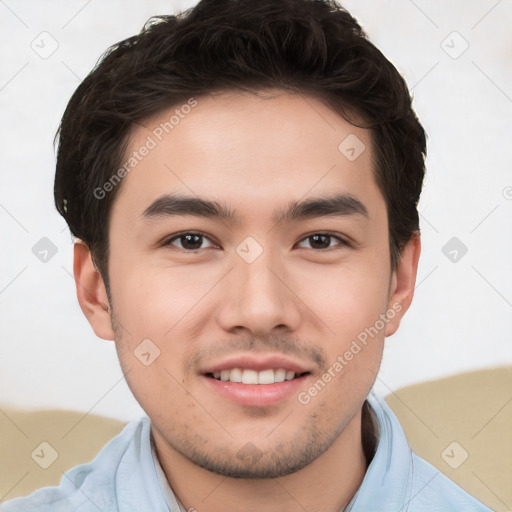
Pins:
x,y
168,242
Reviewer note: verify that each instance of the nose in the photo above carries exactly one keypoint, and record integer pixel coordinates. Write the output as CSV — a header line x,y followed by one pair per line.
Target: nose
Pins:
x,y
259,298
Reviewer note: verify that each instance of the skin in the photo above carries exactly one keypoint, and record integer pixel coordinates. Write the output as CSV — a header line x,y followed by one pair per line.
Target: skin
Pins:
x,y
255,153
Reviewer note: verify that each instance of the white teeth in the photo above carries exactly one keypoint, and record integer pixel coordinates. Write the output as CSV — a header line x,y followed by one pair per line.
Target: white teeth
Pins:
x,y
235,375
266,377
279,375
269,376
250,377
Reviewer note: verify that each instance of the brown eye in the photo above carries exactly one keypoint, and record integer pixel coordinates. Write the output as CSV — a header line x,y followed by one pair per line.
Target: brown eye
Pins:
x,y
319,241
188,241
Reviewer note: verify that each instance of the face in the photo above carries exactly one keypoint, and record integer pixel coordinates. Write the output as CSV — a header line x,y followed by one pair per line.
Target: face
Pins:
x,y
250,328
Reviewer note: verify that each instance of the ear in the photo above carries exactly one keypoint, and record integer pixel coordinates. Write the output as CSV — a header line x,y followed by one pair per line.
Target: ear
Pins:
x,y
91,292
403,282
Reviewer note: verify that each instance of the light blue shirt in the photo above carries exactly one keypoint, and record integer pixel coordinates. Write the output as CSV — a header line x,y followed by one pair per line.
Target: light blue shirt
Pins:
x,y
126,477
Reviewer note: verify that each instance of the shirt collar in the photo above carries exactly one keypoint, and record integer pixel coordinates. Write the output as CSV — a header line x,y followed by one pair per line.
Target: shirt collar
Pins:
x,y
388,479
171,500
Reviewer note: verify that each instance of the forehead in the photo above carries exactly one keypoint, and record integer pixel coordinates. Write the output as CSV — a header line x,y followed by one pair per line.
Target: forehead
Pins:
x,y
246,150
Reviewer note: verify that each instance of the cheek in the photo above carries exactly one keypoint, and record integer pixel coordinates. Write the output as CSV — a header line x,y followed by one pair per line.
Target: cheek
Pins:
x,y
164,306
347,299
154,300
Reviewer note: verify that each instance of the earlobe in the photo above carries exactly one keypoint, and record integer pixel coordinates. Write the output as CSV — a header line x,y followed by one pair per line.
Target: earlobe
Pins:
x,y
403,282
91,292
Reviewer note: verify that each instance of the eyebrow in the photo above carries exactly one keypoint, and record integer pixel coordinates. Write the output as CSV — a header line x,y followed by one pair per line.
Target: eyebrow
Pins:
x,y
338,205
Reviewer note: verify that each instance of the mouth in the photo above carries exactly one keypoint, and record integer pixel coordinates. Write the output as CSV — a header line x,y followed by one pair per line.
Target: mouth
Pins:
x,y
256,380
248,376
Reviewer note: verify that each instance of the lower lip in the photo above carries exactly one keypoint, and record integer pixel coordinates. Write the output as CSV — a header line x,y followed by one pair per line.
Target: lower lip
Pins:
x,y
257,395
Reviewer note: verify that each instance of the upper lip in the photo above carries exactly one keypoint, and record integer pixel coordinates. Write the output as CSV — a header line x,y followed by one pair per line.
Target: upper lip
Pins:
x,y
257,363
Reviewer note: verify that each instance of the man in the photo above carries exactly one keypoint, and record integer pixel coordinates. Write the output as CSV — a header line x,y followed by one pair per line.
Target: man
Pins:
x,y
243,181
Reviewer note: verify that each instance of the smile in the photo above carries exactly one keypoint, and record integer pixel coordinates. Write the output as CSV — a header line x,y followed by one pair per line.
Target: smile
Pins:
x,y
246,376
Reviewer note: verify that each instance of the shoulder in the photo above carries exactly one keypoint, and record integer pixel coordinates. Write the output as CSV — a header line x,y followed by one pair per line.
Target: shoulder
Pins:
x,y
403,480
431,490
90,486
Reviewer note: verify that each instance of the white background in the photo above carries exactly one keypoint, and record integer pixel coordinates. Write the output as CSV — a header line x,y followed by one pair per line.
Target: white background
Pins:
x,y
461,316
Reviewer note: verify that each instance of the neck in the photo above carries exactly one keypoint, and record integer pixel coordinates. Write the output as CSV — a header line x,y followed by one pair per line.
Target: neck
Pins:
x,y
326,485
